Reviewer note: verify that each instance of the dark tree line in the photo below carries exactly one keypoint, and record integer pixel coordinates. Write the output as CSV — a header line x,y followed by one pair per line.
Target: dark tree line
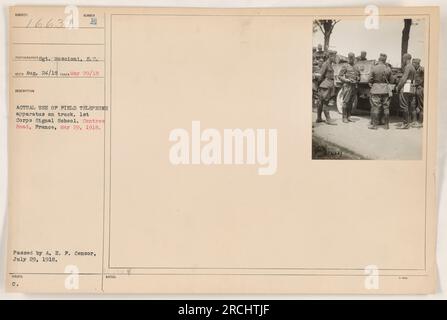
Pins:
x,y
327,26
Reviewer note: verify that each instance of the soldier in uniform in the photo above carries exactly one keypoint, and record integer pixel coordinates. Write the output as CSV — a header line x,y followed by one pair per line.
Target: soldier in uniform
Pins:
x,y
326,88
419,96
379,80
405,89
320,54
350,76
362,56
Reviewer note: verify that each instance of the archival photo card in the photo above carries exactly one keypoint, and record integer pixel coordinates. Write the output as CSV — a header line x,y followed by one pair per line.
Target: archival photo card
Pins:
x,y
175,150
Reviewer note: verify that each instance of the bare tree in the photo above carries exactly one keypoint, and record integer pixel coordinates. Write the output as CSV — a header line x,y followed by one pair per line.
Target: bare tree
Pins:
x,y
405,36
326,27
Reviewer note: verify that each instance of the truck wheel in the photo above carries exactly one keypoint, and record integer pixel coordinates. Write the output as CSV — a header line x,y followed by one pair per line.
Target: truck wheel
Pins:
x,y
340,101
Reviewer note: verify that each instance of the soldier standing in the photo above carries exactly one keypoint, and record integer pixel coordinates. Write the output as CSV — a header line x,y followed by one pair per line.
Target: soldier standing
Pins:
x,y
326,88
362,56
349,75
419,96
319,53
406,91
379,80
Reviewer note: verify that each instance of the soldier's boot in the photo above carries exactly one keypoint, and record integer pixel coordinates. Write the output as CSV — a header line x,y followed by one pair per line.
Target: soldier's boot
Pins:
x,y
380,119
373,125
386,119
345,114
349,117
319,112
348,111
328,118
406,123
414,119
420,120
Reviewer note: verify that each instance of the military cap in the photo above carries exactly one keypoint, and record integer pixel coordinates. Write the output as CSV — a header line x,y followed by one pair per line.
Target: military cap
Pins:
x,y
417,60
331,52
351,55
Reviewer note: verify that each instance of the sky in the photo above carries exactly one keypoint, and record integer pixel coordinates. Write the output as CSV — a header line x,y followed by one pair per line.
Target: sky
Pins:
x,y
352,36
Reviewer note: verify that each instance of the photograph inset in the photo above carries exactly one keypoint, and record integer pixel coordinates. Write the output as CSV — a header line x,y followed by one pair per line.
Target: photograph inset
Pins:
x,y
368,89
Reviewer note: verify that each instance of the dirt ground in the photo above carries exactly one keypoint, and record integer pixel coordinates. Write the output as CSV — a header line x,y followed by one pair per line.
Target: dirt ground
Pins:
x,y
355,141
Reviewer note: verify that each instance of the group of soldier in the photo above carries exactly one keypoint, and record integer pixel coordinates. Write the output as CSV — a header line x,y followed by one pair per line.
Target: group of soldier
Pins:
x,y
410,88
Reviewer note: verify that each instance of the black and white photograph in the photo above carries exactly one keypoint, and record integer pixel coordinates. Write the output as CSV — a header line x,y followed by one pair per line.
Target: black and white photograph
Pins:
x,y
368,89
